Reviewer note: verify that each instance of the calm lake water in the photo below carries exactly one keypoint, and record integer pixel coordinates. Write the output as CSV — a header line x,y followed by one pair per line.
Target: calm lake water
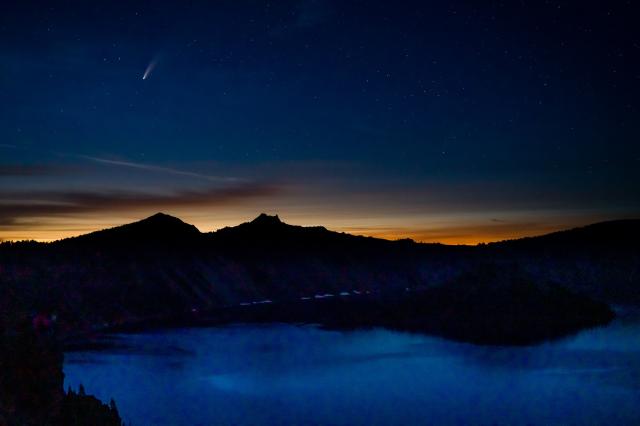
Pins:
x,y
285,374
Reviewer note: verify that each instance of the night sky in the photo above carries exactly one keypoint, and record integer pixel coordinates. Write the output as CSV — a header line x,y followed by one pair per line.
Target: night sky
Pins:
x,y
453,121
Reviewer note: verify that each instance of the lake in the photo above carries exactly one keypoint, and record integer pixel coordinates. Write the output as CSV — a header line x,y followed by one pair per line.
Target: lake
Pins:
x,y
287,374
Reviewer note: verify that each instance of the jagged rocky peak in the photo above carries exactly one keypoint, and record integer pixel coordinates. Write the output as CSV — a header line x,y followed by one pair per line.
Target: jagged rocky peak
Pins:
x,y
267,220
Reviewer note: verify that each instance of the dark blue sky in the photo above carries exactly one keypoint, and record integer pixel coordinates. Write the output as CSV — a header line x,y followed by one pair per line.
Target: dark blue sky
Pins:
x,y
451,121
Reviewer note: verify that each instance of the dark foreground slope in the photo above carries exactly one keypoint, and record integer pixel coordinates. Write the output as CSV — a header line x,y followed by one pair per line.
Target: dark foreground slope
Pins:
x,y
31,386
601,260
161,269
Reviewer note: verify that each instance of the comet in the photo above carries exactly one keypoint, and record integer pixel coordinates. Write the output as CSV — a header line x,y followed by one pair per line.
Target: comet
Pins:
x,y
149,69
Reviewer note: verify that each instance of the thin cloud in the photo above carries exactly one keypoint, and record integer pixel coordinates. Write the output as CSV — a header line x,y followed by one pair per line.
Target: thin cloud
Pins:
x,y
16,207
131,164
159,169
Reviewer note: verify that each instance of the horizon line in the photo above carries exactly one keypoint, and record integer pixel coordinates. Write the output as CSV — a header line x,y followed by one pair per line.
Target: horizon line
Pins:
x,y
375,234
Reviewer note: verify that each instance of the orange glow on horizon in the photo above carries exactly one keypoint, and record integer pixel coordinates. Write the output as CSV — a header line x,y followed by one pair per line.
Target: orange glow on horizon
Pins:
x,y
464,232
458,236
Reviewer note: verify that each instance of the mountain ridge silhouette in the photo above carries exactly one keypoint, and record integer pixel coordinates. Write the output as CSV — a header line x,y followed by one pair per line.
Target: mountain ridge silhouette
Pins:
x,y
162,224
161,268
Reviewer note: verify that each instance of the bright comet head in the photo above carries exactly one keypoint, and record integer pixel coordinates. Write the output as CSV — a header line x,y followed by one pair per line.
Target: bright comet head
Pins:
x,y
149,69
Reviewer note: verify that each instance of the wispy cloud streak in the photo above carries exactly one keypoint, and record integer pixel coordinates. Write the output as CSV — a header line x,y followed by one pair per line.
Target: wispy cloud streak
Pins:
x,y
18,206
129,164
159,169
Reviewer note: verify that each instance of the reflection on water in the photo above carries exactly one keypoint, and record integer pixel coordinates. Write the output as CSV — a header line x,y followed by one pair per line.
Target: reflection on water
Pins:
x,y
284,374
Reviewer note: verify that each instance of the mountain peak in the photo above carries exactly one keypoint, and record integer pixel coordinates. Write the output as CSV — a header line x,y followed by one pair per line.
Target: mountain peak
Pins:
x,y
164,223
160,227
161,218
266,220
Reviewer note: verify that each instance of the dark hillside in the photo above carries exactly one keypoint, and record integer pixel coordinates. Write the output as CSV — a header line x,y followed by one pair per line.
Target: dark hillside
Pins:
x,y
162,268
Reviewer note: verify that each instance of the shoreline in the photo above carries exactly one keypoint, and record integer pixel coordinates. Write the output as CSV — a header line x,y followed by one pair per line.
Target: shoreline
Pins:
x,y
342,315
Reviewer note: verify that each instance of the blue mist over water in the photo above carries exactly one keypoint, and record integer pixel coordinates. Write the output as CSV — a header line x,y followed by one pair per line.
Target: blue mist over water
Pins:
x,y
287,374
